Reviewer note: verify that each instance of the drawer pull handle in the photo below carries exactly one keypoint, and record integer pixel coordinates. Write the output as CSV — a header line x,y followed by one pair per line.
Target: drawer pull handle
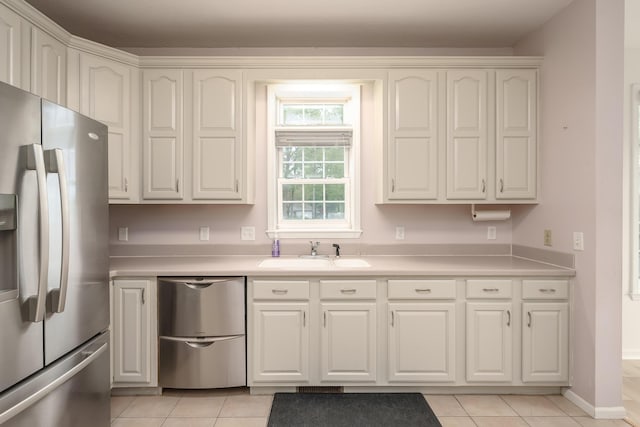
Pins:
x,y
279,291
348,291
490,289
423,290
547,290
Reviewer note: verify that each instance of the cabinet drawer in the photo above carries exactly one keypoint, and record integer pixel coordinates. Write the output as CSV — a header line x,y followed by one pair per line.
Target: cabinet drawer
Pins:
x,y
422,289
545,289
279,289
348,289
489,289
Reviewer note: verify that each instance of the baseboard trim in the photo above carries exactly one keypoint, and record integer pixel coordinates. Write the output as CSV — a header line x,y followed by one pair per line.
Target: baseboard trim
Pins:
x,y
604,413
633,354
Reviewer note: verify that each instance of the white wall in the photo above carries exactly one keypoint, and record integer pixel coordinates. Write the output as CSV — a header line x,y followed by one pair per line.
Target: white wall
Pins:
x,y
581,115
423,224
630,309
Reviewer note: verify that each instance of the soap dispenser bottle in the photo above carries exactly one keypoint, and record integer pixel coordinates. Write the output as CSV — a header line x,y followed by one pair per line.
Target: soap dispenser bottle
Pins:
x,y
275,248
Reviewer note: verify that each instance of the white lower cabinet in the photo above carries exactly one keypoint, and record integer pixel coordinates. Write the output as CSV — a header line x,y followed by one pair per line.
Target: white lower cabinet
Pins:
x,y
135,357
421,332
280,342
422,342
348,342
489,342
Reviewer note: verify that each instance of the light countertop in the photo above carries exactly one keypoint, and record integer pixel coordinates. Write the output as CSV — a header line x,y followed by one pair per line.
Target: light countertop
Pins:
x,y
381,265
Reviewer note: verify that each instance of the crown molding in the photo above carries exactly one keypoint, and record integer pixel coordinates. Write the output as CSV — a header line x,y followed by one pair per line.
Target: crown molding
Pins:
x,y
339,62
107,52
38,19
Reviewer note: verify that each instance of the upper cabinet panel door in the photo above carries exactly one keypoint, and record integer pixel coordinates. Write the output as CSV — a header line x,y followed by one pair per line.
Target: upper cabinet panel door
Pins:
x,y
106,95
217,162
48,67
516,129
162,134
412,151
10,46
467,134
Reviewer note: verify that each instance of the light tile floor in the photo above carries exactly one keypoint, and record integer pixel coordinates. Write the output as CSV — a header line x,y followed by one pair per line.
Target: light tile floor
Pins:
x,y
236,408
631,389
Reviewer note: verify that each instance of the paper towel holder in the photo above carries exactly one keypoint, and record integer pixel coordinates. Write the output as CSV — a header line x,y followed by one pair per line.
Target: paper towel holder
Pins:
x,y
490,215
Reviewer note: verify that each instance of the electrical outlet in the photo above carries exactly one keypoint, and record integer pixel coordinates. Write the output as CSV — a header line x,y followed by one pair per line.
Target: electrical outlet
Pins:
x,y
247,233
400,232
204,233
547,237
491,233
123,233
578,240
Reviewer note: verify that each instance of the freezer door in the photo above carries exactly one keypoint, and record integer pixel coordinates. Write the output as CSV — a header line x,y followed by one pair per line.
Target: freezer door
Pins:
x,y
75,149
21,352
73,392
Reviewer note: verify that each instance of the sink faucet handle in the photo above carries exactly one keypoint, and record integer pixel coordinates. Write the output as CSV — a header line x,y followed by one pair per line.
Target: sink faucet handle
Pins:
x,y
314,247
337,246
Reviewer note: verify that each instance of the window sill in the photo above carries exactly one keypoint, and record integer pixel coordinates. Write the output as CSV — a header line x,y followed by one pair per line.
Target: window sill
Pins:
x,y
314,234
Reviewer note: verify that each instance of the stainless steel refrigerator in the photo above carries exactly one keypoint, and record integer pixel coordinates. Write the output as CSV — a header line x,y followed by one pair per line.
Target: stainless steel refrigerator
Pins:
x,y
54,294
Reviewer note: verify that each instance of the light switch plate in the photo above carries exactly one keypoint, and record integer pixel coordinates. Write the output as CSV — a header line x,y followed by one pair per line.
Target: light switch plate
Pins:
x,y
578,240
247,233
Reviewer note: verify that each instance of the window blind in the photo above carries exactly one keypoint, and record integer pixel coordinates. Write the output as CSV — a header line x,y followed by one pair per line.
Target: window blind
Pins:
x,y
315,138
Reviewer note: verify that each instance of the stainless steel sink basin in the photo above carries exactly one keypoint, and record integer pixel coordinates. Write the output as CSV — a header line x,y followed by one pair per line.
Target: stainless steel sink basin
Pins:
x,y
296,263
351,263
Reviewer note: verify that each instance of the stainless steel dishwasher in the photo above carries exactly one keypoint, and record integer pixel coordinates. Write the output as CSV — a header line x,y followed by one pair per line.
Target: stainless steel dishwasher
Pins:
x,y
202,332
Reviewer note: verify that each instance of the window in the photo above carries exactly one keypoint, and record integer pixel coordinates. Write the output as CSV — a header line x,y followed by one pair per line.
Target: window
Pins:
x,y
313,175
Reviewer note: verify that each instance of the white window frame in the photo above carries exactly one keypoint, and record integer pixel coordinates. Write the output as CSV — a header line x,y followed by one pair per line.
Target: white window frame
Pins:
x,y
313,92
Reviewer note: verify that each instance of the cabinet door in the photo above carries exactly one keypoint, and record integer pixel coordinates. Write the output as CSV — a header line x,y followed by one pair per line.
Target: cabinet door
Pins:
x,y
280,342
422,342
133,341
106,95
10,46
545,342
516,128
489,342
348,342
217,135
48,67
467,134
162,135
412,151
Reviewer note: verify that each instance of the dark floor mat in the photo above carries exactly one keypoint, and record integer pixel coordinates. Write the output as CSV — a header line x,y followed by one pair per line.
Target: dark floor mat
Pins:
x,y
351,410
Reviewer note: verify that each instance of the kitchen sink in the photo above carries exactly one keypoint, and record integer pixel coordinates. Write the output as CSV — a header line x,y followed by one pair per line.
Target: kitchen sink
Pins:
x,y
296,263
309,263
350,263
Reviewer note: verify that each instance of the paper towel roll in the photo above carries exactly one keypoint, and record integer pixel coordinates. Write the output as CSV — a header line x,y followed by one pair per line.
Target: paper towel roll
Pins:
x,y
491,215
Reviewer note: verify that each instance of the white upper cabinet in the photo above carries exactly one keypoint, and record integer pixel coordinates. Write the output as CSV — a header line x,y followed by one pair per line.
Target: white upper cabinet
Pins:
x,y
107,95
48,67
467,134
10,47
412,150
217,134
162,135
516,129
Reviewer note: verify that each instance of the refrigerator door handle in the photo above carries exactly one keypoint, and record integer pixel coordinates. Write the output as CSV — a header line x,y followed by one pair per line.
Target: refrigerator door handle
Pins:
x,y
36,303
55,164
89,357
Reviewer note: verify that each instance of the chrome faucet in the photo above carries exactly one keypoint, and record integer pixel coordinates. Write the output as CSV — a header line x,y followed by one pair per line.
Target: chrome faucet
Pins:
x,y
314,248
337,246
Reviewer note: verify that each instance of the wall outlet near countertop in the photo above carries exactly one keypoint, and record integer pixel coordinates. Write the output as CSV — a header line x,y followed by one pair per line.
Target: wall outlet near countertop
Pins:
x,y
123,234
578,240
547,237
400,232
491,233
204,233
